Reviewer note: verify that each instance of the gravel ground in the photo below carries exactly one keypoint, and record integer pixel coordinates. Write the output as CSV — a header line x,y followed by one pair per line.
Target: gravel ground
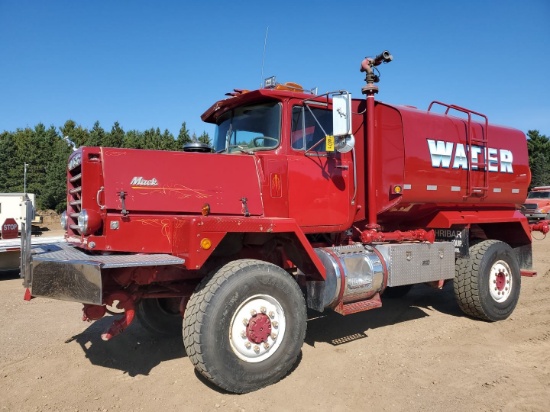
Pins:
x,y
419,353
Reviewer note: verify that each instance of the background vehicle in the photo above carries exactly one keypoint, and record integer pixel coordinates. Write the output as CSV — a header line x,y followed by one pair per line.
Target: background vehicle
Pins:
x,y
537,205
305,201
11,207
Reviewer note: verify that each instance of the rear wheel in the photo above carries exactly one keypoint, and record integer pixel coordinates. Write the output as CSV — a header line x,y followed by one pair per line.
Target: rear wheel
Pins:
x,y
487,285
160,316
244,326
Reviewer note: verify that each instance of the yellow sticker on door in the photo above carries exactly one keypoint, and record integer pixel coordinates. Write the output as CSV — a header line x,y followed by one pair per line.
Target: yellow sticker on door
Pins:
x,y
329,143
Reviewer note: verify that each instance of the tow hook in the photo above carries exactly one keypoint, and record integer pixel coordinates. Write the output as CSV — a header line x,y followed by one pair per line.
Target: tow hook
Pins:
x,y
118,326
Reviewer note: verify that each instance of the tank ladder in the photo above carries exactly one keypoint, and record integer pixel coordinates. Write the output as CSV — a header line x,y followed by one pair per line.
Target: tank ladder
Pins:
x,y
473,166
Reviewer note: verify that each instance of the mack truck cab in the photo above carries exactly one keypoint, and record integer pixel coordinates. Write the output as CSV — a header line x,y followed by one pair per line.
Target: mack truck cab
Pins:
x,y
304,201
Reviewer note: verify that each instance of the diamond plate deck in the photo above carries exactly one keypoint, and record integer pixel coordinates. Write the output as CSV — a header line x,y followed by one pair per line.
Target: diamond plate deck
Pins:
x,y
63,252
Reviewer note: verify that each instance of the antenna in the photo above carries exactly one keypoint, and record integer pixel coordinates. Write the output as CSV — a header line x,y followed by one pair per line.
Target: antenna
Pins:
x,y
263,57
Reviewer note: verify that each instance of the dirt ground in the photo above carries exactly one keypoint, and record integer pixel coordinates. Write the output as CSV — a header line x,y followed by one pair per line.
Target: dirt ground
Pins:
x,y
418,353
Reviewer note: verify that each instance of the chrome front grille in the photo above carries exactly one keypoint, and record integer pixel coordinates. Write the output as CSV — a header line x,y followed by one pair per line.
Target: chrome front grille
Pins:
x,y
74,197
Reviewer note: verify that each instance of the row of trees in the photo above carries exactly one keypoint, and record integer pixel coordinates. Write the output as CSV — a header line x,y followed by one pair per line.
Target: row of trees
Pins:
x,y
45,152
538,146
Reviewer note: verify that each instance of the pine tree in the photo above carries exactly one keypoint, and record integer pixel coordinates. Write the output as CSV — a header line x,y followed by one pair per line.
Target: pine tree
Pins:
x,y
538,147
76,134
183,137
115,138
54,192
152,139
204,138
133,139
97,135
9,180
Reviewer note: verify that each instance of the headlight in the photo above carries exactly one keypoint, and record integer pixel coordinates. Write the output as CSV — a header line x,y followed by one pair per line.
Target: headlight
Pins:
x,y
88,222
83,221
63,221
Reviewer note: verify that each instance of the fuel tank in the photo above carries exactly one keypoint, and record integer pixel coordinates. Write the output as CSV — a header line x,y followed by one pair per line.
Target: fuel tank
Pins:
x,y
354,273
430,161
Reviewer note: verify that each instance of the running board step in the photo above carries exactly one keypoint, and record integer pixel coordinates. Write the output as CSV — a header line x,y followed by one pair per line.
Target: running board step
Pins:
x,y
361,306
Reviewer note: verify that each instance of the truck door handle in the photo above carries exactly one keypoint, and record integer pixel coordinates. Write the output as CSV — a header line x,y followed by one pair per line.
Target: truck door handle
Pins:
x,y
345,167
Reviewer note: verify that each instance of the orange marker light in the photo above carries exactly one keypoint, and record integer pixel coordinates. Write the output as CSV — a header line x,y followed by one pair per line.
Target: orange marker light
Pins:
x,y
397,189
206,243
205,209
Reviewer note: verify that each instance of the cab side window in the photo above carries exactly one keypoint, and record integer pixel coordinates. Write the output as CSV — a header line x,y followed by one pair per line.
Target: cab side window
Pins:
x,y
310,125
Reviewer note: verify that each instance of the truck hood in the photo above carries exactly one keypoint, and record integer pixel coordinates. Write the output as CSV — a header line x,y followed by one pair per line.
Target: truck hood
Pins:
x,y
179,182
538,202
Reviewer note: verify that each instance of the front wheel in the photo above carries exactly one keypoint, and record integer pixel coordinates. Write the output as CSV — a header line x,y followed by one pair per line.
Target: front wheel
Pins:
x,y
244,326
160,316
487,285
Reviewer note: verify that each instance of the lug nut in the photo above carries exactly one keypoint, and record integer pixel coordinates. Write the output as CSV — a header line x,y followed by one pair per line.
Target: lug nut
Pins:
x,y
271,314
253,312
247,345
245,322
275,324
263,309
256,349
266,345
273,336
243,334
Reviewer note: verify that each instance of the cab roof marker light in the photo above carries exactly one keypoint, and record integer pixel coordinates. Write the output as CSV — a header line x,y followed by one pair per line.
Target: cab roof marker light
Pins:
x,y
270,82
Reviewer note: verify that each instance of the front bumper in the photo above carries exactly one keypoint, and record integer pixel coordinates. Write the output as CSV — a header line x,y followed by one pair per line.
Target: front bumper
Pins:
x,y
535,216
64,272
61,271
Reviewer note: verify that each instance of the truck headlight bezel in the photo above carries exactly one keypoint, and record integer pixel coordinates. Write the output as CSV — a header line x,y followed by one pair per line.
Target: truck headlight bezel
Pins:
x,y
89,222
64,221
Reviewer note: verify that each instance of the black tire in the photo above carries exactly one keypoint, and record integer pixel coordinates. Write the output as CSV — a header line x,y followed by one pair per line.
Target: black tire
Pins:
x,y
396,292
487,285
225,315
160,316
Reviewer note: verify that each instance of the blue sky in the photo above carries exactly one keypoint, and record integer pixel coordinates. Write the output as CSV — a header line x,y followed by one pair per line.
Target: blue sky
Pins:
x,y
160,63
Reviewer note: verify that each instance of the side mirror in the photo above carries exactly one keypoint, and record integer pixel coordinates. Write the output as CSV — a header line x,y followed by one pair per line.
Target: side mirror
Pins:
x,y
341,115
345,143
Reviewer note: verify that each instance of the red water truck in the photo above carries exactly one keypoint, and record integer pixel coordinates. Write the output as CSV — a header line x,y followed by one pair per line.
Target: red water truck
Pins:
x,y
303,201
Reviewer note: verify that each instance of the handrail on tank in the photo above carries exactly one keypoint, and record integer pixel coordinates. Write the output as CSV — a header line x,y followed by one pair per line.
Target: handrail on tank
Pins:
x,y
484,141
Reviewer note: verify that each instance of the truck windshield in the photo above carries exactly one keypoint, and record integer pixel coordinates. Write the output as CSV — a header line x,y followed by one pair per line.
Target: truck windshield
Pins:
x,y
249,128
538,195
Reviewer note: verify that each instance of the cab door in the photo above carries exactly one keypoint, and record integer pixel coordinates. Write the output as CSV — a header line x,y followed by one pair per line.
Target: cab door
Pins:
x,y
320,182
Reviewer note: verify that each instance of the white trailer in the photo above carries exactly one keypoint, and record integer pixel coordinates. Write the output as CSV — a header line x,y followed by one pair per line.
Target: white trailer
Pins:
x,y
11,206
